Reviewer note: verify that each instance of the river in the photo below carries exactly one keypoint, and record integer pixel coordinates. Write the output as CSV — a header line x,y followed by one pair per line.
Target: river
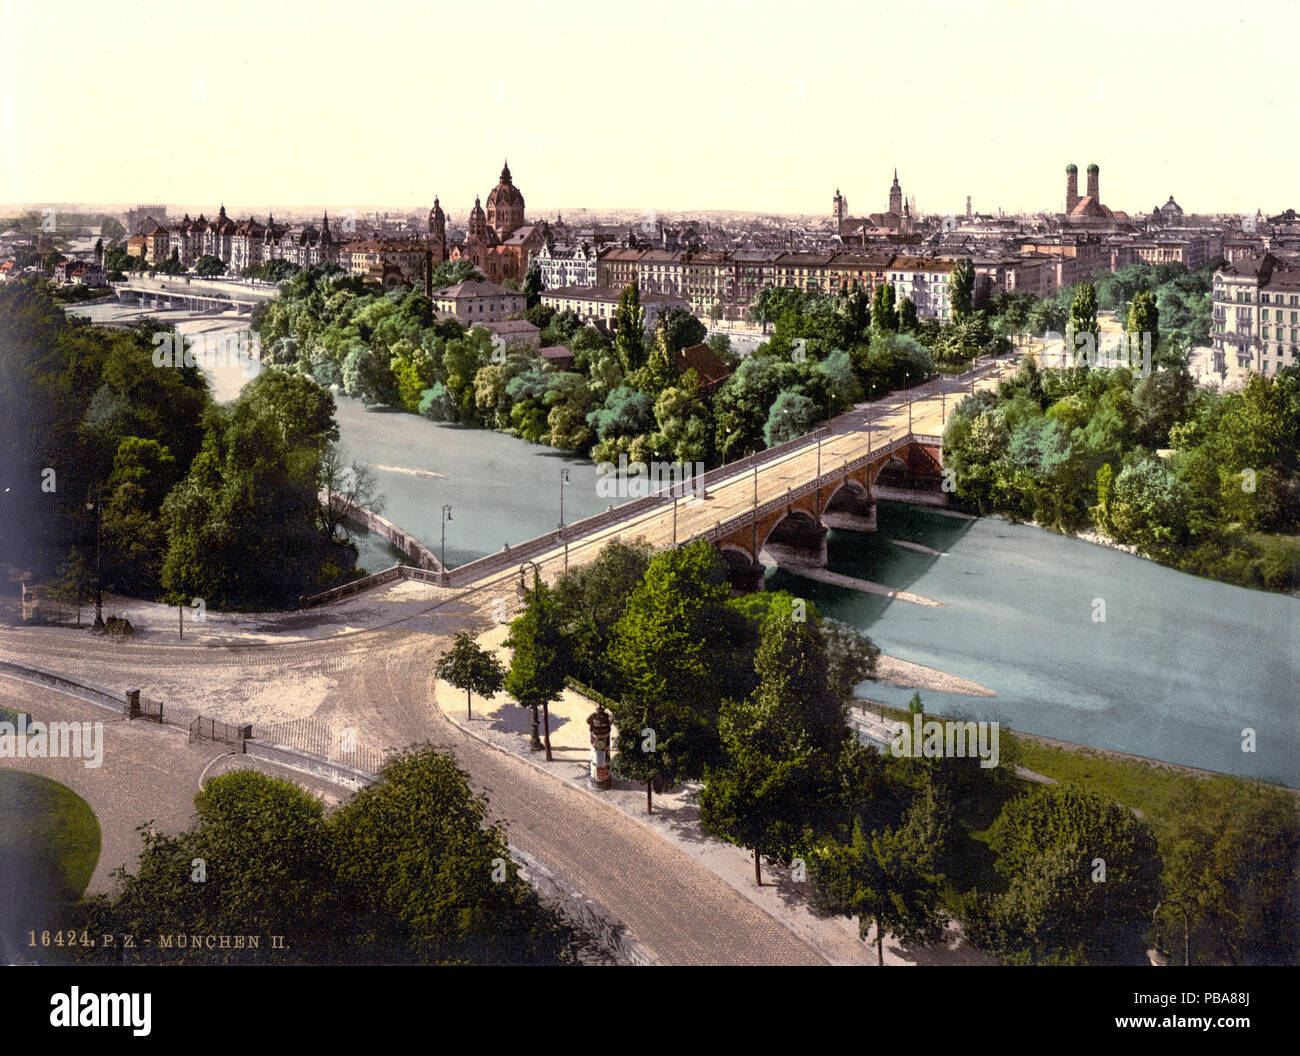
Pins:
x,y
1177,670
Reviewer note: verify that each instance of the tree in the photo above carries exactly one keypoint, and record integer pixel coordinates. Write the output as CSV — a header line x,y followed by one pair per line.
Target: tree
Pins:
x,y
533,287
629,330
468,666
792,415
1229,854
779,743
961,288
680,329
884,316
209,266
907,315
591,598
665,701
1083,878
264,851
72,582
1083,318
536,675
1144,316
887,879
408,872
424,878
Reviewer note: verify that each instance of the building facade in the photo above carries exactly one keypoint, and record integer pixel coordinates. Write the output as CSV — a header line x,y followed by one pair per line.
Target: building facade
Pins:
x,y
1256,315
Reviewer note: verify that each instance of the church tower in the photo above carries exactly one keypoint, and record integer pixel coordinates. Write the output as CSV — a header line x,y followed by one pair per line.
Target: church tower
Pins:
x,y
478,226
505,206
1071,187
840,209
437,237
896,197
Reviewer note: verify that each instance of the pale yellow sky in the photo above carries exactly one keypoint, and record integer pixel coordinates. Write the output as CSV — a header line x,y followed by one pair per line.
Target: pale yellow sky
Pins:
x,y
672,105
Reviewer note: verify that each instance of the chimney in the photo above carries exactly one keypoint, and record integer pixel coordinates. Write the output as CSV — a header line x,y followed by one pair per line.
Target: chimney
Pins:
x,y
968,207
1093,174
1071,187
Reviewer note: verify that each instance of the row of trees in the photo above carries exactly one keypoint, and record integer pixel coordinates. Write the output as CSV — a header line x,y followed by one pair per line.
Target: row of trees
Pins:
x,y
409,871
1203,481
626,392
192,499
749,696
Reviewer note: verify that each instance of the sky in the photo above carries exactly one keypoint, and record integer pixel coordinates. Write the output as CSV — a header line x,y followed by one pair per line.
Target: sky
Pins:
x,y
670,106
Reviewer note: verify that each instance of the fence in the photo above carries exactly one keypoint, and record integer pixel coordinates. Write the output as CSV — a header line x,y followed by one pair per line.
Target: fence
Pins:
x,y
339,745
205,729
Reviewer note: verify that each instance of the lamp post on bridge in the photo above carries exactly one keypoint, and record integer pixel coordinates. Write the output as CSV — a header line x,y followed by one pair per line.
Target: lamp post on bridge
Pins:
x,y
99,584
446,516
564,479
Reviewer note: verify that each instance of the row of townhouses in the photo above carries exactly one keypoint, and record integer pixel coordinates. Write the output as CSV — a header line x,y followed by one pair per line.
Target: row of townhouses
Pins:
x,y
1257,314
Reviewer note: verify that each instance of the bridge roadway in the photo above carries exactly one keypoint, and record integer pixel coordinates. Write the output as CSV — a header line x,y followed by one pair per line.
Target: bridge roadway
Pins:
x,y
382,679
733,500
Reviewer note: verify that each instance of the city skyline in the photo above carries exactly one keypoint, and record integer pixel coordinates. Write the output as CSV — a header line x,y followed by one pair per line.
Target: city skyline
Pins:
x,y
683,108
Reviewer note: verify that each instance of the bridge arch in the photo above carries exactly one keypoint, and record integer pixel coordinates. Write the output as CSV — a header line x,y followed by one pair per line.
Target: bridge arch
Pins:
x,y
797,537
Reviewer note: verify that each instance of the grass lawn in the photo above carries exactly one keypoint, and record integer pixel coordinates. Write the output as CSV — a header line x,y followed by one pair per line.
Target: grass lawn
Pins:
x,y
49,836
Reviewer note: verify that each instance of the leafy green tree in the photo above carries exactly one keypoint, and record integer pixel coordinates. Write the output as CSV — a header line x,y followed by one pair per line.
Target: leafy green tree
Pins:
x,y
72,582
536,675
961,288
1229,853
884,316
209,266
261,851
426,879
907,315
1083,878
780,744
683,421
629,330
681,330
887,879
791,416
660,659
450,272
1144,316
1083,317
591,599
533,287
468,666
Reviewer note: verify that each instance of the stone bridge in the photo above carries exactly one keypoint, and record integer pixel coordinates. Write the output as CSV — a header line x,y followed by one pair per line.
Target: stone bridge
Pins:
x,y
197,295
792,528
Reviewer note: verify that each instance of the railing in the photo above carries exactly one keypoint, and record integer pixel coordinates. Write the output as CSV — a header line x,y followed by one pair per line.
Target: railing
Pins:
x,y
338,745
204,729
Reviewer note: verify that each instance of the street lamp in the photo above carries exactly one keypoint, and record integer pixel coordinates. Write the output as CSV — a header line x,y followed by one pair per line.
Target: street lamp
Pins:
x,y
99,592
446,516
564,479
537,574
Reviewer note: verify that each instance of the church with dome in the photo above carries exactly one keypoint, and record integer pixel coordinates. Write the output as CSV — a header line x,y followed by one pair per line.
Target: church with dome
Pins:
x,y
499,241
